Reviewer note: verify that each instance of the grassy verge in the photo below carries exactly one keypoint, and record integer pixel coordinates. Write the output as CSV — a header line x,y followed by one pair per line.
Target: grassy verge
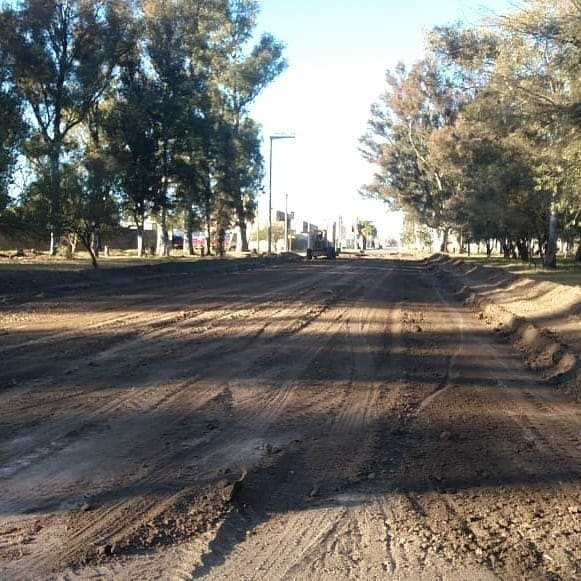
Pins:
x,y
568,270
42,262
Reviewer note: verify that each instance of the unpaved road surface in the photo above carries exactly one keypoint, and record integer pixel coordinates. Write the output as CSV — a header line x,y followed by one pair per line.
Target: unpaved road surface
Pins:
x,y
325,420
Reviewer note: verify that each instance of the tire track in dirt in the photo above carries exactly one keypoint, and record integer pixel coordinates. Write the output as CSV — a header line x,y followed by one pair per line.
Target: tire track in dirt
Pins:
x,y
342,427
145,321
269,409
411,518
157,326
118,513
429,546
108,408
491,543
208,323
365,454
462,533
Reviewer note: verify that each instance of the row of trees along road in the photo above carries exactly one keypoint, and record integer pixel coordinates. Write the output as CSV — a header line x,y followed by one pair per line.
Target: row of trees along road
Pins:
x,y
483,136
130,108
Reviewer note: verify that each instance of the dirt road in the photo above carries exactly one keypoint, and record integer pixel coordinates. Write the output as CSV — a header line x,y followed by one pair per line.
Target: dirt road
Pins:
x,y
292,420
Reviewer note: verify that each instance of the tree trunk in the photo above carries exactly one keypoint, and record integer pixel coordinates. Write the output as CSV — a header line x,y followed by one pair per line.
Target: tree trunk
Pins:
x,y
550,259
507,248
208,212
88,241
140,247
55,216
221,238
188,248
208,237
95,244
162,235
55,228
444,244
52,250
93,256
243,236
523,249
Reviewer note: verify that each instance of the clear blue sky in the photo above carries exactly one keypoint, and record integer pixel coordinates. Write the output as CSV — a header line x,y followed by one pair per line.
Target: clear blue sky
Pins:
x,y
338,52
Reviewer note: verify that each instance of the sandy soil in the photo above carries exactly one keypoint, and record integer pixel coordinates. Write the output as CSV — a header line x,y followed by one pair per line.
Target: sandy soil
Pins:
x,y
362,418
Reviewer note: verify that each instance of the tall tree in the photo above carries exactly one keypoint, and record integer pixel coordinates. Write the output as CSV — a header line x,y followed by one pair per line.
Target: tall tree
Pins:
x,y
167,55
414,117
90,193
196,144
132,141
61,55
533,73
242,76
12,127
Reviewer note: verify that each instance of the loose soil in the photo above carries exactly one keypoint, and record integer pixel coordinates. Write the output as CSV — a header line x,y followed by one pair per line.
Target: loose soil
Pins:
x,y
358,418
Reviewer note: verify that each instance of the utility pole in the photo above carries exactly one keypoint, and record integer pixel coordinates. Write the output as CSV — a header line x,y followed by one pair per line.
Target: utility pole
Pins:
x,y
272,138
286,222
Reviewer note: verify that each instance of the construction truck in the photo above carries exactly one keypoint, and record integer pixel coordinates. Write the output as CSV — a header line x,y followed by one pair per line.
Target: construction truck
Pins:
x,y
320,246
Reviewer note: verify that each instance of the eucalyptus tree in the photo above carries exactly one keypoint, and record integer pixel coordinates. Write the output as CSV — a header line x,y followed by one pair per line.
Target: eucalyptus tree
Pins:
x,y
167,54
416,113
12,128
238,174
502,200
200,83
61,56
91,191
486,153
219,142
197,141
201,23
241,76
539,71
534,74
132,139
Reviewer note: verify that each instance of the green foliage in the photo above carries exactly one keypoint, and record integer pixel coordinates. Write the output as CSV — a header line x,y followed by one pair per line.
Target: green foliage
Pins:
x,y
483,135
136,108
408,131
366,228
60,58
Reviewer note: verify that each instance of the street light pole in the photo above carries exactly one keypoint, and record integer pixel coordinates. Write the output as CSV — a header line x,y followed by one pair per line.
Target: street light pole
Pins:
x,y
286,222
272,138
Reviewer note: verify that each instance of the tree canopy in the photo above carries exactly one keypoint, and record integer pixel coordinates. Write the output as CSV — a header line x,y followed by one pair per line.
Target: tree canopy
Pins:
x,y
131,109
483,135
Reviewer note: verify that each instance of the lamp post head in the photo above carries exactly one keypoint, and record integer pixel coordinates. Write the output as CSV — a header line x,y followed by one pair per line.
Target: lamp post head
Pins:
x,y
281,136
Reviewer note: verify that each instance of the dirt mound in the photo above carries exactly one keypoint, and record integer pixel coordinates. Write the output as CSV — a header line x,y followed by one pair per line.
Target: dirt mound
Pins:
x,y
540,318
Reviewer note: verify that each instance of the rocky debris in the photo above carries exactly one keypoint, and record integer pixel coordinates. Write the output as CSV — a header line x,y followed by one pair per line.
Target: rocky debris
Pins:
x,y
313,492
231,488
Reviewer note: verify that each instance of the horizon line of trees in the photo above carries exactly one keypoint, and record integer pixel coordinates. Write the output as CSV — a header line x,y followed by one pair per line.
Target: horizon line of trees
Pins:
x,y
482,137
129,109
